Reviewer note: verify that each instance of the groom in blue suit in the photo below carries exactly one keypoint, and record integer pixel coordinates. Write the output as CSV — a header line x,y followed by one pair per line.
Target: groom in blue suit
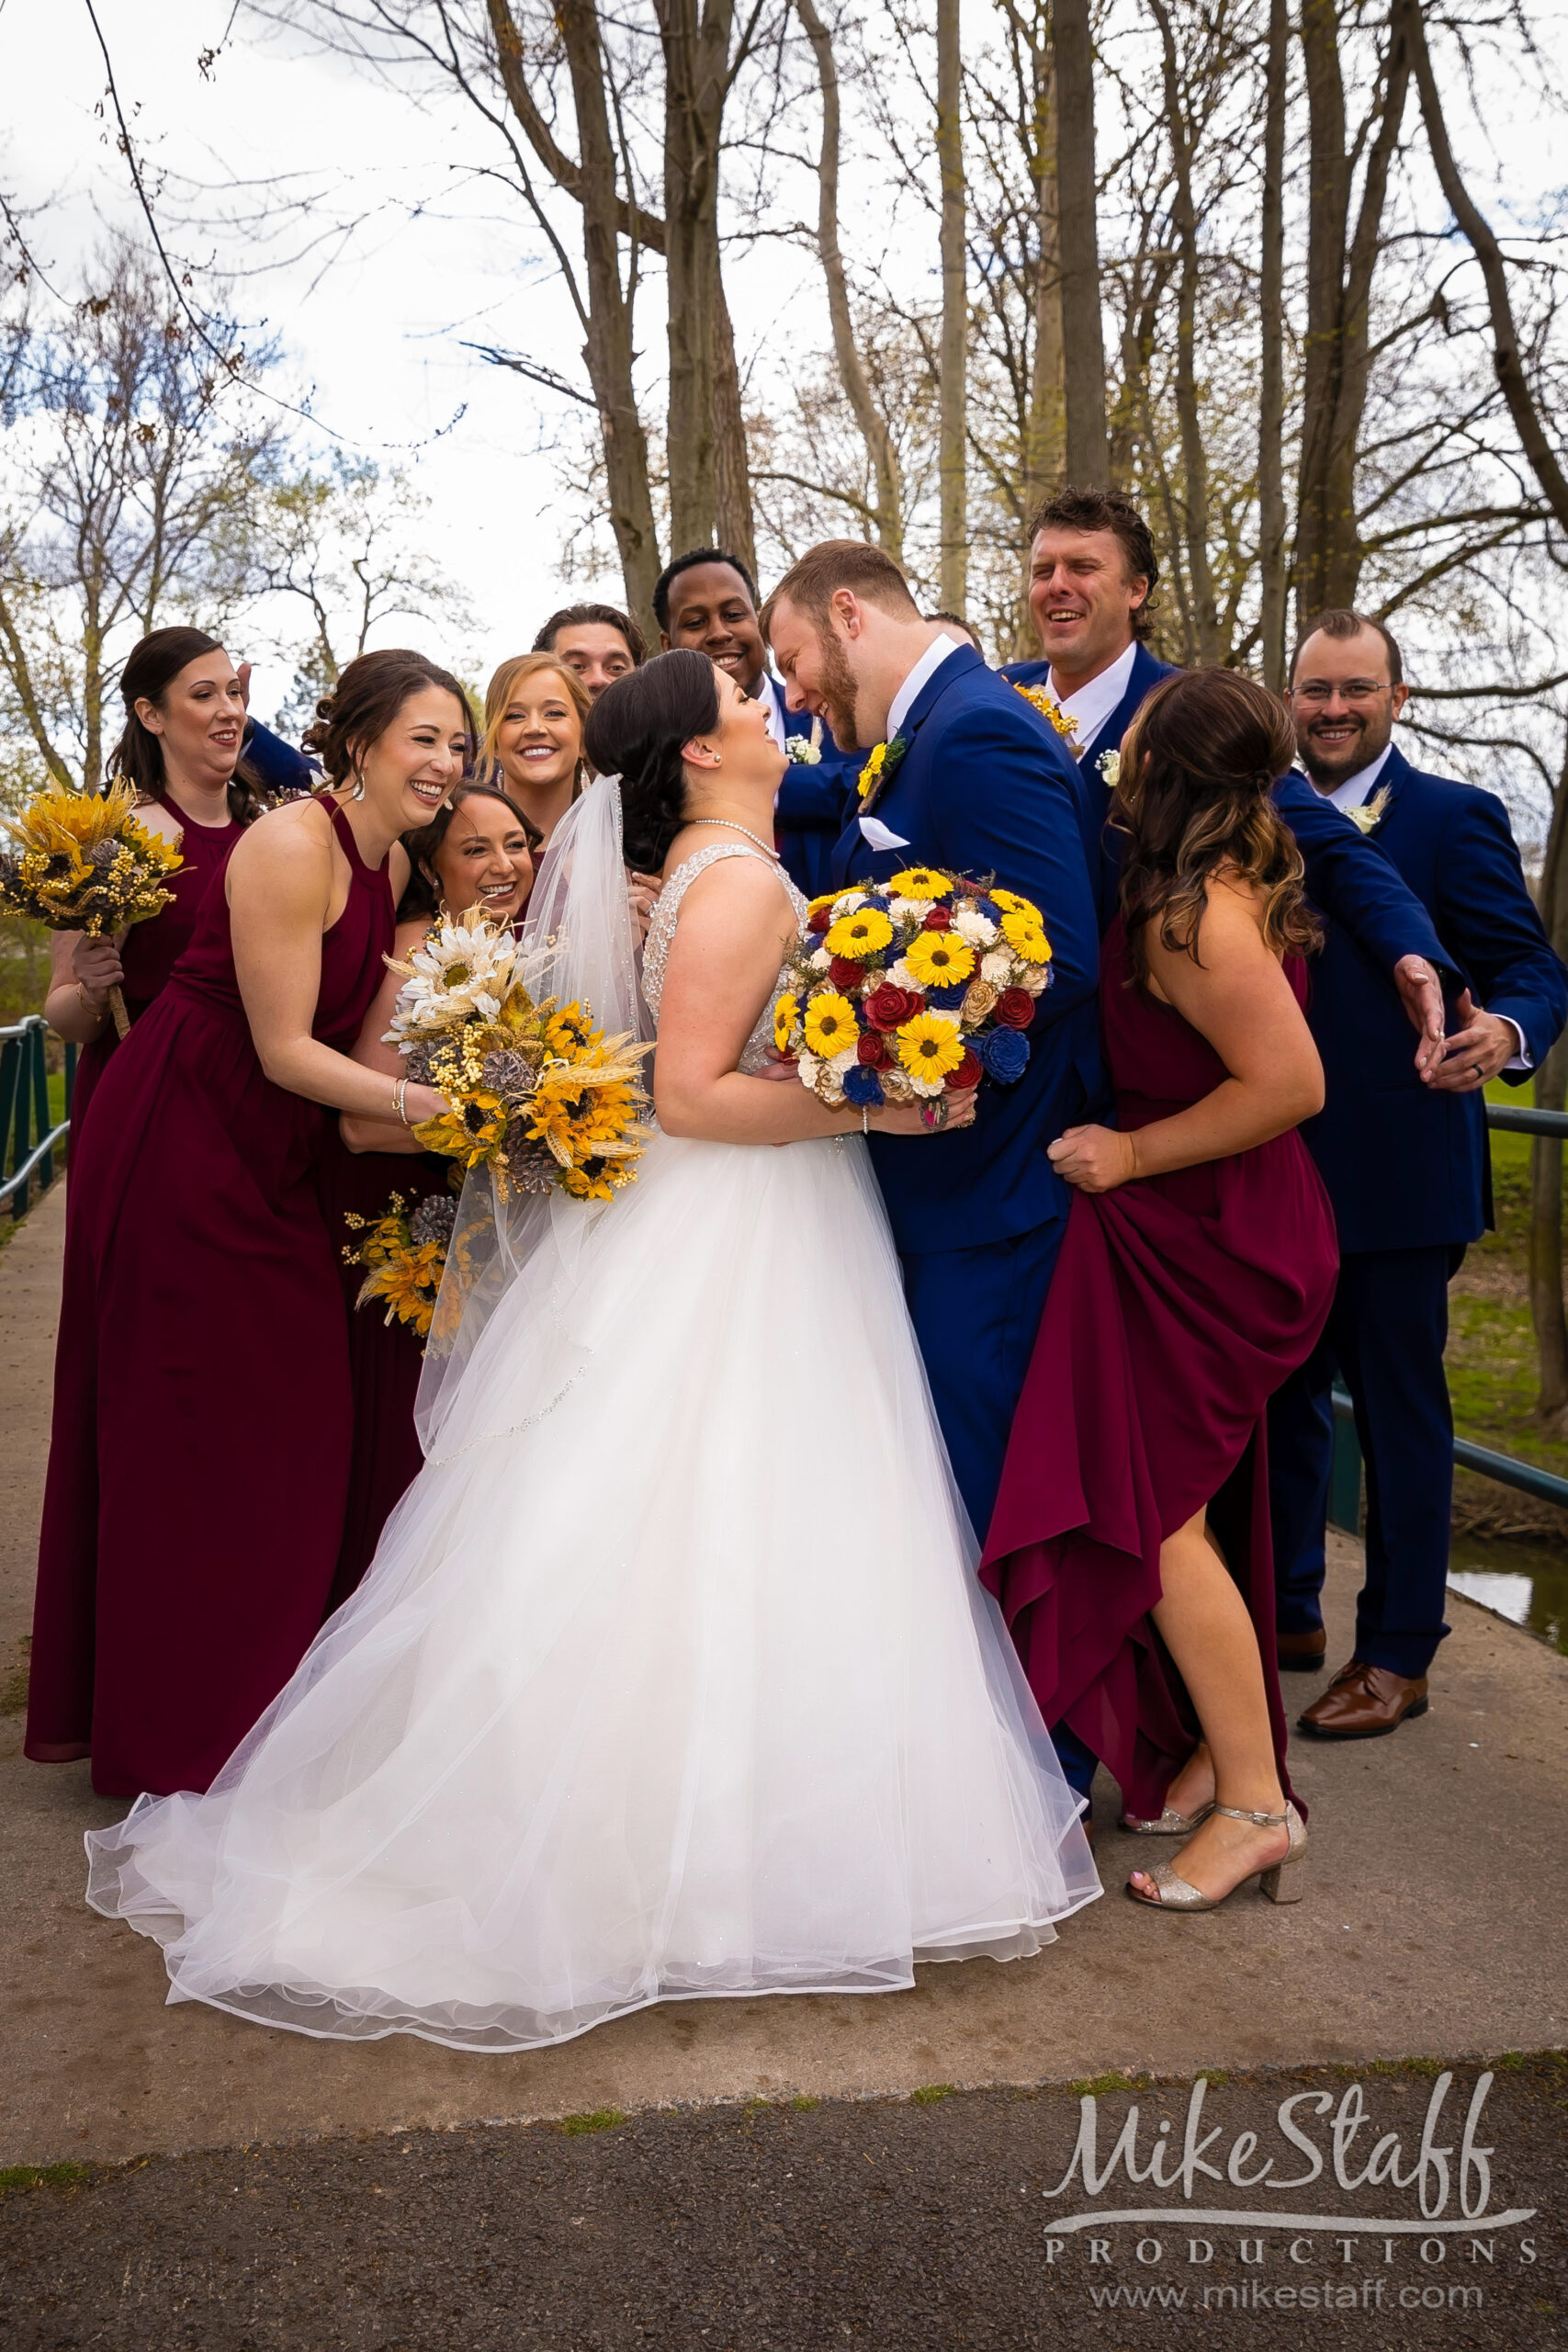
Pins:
x,y
975,781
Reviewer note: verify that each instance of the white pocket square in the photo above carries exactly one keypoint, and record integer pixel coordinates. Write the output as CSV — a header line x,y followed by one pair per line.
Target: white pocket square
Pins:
x,y
881,836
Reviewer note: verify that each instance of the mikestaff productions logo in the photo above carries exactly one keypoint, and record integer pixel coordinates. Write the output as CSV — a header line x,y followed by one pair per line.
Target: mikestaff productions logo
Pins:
x,y
1411,2226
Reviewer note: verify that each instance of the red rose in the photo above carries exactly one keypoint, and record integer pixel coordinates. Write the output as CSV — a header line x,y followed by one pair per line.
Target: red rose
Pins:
x,y
969,1073
1015,1009
872,1052
939,919
845,975
889,1007
821,920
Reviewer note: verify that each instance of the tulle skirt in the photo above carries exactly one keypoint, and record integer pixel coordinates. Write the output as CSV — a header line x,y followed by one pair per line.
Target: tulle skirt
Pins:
x,y
671,1677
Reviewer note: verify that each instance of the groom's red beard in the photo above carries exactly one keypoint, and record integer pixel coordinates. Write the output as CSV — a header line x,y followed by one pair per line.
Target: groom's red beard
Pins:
x,y
839,693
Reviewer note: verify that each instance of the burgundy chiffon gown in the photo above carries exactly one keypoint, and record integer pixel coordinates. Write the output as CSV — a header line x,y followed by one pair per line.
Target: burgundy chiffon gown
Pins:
x,y
384,1359
193,1510
1178,1305
153,948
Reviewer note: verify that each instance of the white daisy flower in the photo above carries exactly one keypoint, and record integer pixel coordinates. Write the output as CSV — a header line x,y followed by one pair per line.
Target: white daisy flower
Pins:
x,y
907,910
977,929
459,970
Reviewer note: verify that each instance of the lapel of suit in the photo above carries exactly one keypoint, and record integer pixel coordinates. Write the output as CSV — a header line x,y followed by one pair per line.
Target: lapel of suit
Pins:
x,y
959,665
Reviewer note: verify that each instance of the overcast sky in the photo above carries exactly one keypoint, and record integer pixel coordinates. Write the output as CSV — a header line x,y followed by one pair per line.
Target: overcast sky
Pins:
x,y
374,338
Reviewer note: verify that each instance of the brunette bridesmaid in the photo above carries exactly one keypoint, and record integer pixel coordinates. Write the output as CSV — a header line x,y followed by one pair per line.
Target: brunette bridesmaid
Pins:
x,y
194,1507
185,720
477,853
1130,1544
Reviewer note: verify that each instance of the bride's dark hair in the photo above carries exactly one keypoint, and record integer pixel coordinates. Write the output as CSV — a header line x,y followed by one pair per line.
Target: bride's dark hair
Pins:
x,y
635,729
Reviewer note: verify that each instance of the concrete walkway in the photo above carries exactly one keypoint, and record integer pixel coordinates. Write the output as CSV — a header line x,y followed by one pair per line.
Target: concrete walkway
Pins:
x,y
1435,1922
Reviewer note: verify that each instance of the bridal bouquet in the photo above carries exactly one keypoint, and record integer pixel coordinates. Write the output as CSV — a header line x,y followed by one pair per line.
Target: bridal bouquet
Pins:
x,y
83,861
404,1256
909,986
536,1092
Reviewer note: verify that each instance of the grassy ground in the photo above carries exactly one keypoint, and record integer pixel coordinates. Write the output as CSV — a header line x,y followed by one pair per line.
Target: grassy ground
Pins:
x,y
1492,1368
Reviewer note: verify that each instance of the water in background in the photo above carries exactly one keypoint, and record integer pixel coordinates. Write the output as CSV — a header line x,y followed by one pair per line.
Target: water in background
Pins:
x,y
1527,1583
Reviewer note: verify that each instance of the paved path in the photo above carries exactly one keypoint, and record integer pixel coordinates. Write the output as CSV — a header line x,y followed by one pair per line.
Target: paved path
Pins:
x,y
1435,1922
917,2226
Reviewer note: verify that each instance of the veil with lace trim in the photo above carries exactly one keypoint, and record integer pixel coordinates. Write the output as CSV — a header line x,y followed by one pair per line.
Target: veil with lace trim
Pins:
x,y
533,1249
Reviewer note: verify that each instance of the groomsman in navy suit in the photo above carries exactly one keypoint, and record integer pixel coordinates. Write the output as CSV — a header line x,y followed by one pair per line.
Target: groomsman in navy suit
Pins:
x,y
707,599
977,782
1406,1166
1092,569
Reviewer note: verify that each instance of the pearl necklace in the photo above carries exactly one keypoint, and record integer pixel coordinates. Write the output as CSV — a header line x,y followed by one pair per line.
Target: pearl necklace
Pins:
x,y
766,847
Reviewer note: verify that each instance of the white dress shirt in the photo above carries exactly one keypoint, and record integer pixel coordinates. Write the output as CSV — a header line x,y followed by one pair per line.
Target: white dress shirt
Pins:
x,y
1093,703
1354,793
929,662
771,695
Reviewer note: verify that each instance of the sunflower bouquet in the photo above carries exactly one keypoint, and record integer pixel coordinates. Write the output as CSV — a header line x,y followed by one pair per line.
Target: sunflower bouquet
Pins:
x,y
536,1092
404,1256
83,861
909,986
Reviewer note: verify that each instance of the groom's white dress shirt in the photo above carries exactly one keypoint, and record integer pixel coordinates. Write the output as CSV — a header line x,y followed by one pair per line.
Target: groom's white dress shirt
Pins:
x,y
879,835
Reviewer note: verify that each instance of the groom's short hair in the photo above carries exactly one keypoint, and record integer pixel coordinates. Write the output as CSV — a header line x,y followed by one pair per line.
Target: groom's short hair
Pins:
x,y
811,585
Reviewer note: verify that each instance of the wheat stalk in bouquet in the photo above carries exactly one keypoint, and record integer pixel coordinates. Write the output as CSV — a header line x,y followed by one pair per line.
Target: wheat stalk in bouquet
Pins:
x,y
83,861
535,1091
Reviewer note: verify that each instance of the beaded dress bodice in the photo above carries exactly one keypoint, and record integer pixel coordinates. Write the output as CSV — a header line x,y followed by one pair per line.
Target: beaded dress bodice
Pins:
x,y
661,931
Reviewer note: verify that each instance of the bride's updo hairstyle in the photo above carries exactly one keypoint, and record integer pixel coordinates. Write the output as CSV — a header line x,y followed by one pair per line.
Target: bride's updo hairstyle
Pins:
x,y
635,731
1194,799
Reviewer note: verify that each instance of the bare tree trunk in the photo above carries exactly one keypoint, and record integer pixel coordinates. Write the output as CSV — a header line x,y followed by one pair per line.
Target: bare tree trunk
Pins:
x,y
1339,281
1194,456
696,68
1527,420
608,351
1083,336
1271,389
953,581
732,473
1045,439
873,432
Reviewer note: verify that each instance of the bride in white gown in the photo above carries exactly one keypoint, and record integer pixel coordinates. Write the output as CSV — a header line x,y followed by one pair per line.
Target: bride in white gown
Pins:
x,y
671,1677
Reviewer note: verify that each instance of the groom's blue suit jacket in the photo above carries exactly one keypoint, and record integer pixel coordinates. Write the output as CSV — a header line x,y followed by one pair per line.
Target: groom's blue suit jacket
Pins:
x,y
986,788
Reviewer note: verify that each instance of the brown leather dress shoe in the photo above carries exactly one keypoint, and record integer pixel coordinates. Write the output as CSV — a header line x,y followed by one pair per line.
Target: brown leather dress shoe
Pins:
x,y
1301,1653
1363,1702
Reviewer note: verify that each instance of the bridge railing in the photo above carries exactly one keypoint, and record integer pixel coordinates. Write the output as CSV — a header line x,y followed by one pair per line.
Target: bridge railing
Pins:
x,y
1344,1484
30,1140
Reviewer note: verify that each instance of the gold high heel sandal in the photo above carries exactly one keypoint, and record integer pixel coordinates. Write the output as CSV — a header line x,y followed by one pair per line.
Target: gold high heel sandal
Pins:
x,y
1176,1895
1170,1824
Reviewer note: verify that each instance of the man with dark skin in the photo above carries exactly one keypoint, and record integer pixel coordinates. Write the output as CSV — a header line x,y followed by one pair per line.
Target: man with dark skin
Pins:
x,y
706,600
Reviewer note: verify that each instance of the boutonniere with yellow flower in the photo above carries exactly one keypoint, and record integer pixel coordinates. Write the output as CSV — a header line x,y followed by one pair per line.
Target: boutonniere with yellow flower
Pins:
x,y
1048,709
881,763
1370,814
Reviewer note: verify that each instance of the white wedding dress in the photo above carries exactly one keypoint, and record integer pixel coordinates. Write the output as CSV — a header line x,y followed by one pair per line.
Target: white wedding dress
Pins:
x,y
671,1677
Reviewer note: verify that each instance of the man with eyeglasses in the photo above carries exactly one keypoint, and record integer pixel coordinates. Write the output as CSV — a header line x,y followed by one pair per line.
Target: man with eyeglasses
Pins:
x,y
1406,1161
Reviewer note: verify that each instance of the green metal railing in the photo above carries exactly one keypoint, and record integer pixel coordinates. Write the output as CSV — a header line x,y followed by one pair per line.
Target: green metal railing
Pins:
x,y
1345,1477
27,1141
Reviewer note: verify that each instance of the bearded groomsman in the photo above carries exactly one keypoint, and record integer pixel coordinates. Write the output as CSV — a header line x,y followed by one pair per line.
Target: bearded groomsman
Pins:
x,y
707,599
1406,1166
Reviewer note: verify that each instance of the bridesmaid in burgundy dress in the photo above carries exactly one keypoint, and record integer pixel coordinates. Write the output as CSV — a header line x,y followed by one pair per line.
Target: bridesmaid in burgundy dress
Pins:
x,y
1129,1546
185,720
193,1511
477,852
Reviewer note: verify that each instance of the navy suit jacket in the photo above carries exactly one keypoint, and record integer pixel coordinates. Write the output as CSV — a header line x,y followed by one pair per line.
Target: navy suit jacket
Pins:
x,y
1407,1166
814,802
986,787
1145,673
276,766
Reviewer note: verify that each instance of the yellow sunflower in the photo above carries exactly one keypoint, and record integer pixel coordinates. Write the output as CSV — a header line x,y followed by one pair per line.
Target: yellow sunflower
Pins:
x,y
1010,901
1024,934
470,1132
931,1045
940,959
921,882
871,774
859,937
830,1025
787,1012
